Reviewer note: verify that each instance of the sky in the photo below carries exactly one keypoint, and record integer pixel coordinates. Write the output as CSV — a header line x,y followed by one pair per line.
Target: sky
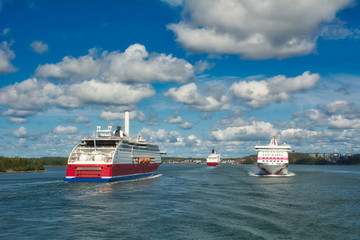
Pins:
x,y
196,75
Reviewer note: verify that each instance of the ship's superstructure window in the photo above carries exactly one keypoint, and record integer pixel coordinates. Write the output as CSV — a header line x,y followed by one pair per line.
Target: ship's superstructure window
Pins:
x,y
100,143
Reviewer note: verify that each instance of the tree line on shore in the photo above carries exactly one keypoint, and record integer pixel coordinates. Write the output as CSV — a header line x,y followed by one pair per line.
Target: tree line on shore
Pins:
x,y
18,164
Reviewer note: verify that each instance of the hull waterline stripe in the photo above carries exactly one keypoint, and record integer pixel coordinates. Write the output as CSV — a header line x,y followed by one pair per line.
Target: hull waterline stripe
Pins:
x,y
109,179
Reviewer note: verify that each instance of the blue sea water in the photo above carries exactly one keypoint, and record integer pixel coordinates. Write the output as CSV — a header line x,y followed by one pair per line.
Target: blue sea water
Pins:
x,y
187,201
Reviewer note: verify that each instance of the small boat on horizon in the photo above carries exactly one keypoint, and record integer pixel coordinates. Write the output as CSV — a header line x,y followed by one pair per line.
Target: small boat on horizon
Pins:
x,y
273,159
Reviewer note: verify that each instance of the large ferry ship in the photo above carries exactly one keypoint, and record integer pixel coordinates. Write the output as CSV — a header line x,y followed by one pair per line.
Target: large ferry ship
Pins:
x,y
112,156
273,159
213,159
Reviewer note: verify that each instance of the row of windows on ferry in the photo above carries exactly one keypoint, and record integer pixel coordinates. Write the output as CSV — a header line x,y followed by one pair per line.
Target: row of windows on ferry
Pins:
x,y
273,154
272,161
149,147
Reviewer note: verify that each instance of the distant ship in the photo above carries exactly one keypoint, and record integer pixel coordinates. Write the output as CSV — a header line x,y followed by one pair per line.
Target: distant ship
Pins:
x,y
213,159
112,156
273,159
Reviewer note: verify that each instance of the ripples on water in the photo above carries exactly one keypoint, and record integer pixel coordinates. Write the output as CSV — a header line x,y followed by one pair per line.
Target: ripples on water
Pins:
x,y
185,202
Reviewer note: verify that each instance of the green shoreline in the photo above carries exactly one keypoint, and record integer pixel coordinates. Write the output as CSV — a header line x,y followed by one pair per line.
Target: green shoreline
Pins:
x,y
17,164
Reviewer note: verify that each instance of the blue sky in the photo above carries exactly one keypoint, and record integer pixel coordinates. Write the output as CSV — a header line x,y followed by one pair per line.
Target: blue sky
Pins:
x,y
196,74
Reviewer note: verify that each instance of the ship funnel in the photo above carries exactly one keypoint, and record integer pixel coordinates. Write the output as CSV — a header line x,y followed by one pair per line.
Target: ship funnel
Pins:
x,y
273,141
127,123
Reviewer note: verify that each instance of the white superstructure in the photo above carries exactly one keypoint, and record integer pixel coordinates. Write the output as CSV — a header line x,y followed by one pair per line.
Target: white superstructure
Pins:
x,y
273,159
213,159
112,155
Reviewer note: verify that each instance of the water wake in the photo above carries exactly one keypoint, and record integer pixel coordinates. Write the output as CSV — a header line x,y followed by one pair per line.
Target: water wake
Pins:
x,y
138,179
257,174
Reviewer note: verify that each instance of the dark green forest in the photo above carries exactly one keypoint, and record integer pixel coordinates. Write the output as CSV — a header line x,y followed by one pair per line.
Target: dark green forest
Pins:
x,y
29,164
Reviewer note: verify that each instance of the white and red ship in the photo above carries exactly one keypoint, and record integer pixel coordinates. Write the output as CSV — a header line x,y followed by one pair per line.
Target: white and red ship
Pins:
x,y
213,159
273,159
112,156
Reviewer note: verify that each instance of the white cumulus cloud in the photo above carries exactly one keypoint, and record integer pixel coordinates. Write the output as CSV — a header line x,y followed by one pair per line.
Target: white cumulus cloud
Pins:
x,y
163,136
335,115
96,92
253,130
34,95
299,133
345,108
339,121
71,69
65,130
29,95
192,140
98,78
254,29
187,125
137,65
6,55
173,119
39,47
189,95
17,120
17,113
20,132
170,139
115,113
133,65
258,94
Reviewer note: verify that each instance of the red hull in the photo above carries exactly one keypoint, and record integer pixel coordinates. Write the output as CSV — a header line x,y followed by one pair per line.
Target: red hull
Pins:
x,y
108,170
213,164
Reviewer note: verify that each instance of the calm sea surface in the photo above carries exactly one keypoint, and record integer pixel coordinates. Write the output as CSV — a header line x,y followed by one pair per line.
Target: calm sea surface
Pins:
x,y
186,202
